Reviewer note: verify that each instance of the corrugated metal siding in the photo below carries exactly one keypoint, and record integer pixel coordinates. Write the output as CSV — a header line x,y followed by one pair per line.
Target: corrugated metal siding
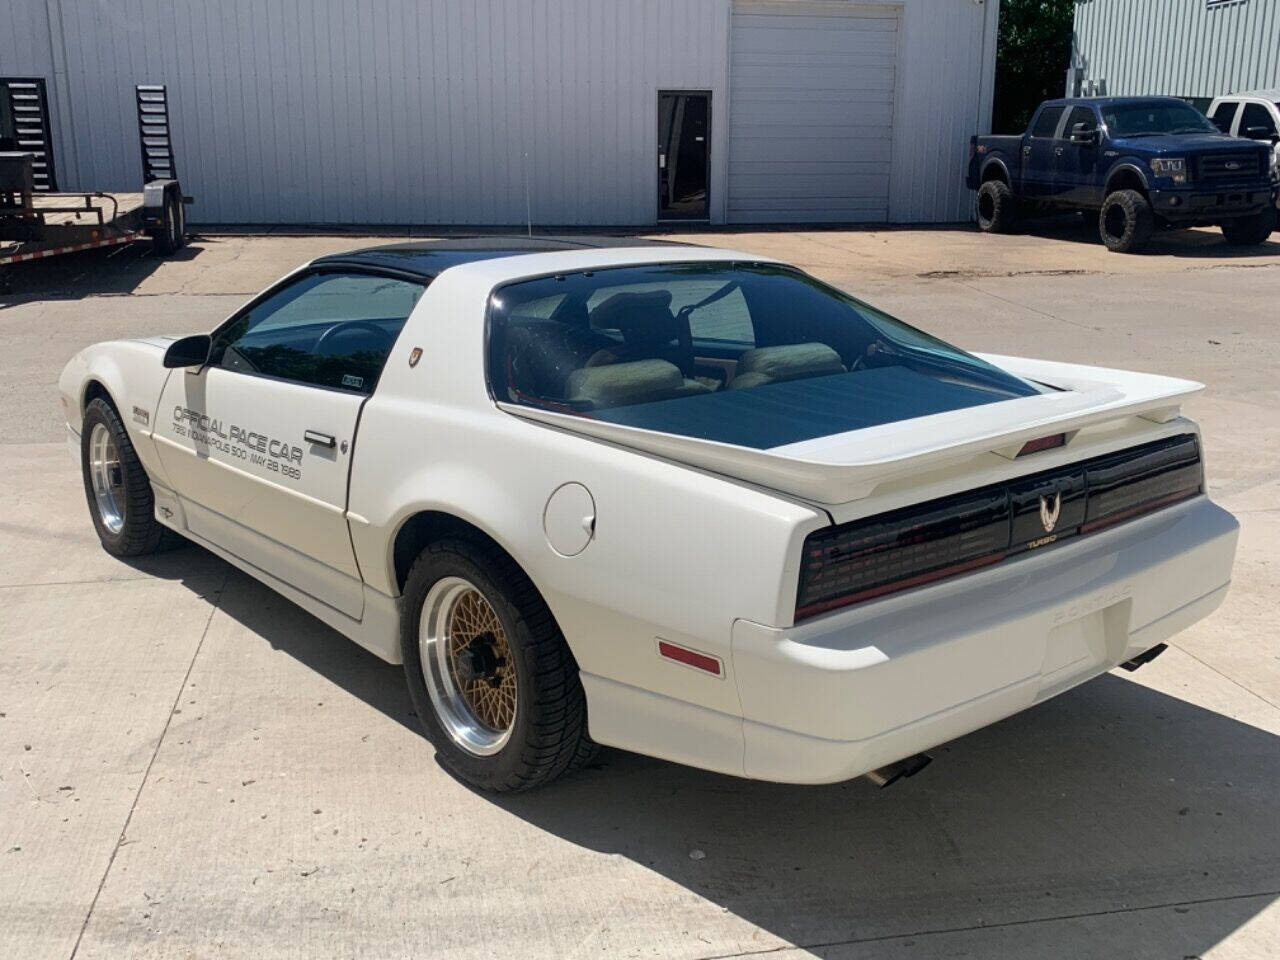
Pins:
x,y
811,112
1178,47
945,74
438,111
402,111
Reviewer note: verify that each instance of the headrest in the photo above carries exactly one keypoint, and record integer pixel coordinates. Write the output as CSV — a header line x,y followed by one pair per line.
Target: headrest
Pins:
x,y
620,383
790,361
644,318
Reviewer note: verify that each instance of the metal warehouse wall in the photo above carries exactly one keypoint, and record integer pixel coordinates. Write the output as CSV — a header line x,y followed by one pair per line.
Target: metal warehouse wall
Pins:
x,y
423,111
946,76
1178,47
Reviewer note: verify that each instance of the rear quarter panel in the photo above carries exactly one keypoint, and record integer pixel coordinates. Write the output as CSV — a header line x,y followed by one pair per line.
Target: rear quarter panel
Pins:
x,y
677,553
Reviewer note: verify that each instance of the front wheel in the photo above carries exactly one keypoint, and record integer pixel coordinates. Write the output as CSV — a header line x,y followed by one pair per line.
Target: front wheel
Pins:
x,y
1250,230
121,501
1125,222
490,675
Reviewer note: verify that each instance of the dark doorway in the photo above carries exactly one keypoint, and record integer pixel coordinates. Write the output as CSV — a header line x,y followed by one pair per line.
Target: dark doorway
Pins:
x,y
684,142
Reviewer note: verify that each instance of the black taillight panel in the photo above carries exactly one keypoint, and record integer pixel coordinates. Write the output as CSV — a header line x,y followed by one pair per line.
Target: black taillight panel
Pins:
x,y
927,542
858,558
1126,481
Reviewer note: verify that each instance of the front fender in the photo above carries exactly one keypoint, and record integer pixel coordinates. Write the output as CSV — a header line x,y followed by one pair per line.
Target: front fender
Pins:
x,y
133,375
1130,164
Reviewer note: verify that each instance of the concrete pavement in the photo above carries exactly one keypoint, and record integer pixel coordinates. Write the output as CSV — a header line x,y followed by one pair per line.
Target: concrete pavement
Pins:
x,y
192,767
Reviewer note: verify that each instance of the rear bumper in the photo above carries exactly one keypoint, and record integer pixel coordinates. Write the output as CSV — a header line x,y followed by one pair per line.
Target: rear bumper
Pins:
x,y
1196,204
853,690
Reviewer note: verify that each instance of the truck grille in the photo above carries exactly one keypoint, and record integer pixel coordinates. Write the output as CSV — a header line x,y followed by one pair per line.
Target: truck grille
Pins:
x,y
879,555
1230,166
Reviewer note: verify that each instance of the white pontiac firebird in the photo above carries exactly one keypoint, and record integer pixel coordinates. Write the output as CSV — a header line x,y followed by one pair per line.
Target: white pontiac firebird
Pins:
x,y
688,502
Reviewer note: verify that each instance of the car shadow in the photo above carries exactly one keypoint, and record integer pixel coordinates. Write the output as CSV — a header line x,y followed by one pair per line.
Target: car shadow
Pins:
x,y
72,276
1112,803
1199,242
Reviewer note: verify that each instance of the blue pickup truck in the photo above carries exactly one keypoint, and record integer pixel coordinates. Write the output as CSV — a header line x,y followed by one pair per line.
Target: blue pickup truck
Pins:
x,y
1137,162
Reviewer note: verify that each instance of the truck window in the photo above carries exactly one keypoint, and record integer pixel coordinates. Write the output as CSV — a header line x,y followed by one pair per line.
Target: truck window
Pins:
x,y
1078,115
1154,118
1256,122
1047,122
1223,114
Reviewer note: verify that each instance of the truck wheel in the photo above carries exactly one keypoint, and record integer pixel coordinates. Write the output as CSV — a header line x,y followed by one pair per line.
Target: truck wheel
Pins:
x,y
1125,221
116,485
172,234
1250,230
995,207
490,675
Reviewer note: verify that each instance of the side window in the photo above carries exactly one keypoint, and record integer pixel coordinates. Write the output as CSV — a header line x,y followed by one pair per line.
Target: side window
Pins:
x,y
1047,122
1078,115
725,319
326,330
1223,114
1256,122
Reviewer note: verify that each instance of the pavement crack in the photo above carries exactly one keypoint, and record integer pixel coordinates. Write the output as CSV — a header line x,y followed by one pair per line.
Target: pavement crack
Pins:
x,y
969,928
146,774
1230,679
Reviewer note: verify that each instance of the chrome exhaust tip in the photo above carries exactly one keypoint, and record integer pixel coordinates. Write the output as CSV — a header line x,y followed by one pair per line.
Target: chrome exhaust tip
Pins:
x,y
894,772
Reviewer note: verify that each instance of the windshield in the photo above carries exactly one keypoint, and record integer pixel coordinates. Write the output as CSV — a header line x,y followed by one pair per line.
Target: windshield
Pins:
x,y
750,354
1153,119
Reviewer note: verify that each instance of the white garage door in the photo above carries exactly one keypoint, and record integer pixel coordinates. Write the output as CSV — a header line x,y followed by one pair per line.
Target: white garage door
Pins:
x,y
811,112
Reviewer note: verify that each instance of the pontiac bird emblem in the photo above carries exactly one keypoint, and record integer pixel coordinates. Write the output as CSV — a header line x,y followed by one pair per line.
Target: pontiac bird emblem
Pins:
x,y
1049,514
414,356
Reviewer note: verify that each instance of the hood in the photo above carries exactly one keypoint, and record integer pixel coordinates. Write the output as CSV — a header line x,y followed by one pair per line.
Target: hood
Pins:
x,y
1183,143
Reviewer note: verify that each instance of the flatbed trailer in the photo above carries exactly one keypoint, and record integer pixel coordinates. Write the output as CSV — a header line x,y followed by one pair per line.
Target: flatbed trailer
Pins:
x,y
40,223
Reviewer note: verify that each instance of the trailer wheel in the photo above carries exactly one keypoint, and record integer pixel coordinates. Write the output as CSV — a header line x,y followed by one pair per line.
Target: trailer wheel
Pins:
x,y
172,234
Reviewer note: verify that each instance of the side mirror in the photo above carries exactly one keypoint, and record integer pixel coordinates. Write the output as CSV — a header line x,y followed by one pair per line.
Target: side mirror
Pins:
x,y
189,351
1259,133
1083,133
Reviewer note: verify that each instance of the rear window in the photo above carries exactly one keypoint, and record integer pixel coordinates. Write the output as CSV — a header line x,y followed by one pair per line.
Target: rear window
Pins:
x,y
750,354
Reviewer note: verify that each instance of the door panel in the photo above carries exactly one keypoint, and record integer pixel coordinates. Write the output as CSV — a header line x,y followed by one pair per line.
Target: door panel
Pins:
x,y
1038,154
684,139
234,448
1077,168
257,443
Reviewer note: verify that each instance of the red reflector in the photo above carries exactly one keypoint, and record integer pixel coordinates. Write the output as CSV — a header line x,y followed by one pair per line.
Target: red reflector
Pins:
x,y
690,657
1043,443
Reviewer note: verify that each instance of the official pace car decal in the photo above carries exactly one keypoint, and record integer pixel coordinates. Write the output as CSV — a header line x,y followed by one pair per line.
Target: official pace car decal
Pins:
x,y
256,449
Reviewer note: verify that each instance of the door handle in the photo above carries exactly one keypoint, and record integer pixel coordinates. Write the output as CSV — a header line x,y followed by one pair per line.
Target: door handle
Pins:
x,y
315,436
1057,151
1026,151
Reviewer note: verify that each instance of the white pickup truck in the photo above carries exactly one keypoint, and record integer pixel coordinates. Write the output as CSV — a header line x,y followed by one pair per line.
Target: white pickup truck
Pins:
x,y
688,502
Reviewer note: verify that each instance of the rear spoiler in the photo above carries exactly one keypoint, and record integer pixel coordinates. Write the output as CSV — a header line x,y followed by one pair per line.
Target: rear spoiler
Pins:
x,y
849,466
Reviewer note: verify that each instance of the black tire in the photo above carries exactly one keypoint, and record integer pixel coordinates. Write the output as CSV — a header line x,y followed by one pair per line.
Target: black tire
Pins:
x,y
1250,230
1125,222
995,207
549,731
172,233
138,531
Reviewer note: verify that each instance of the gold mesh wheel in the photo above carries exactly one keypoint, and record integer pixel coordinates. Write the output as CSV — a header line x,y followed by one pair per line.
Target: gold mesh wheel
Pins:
x,y
468,666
